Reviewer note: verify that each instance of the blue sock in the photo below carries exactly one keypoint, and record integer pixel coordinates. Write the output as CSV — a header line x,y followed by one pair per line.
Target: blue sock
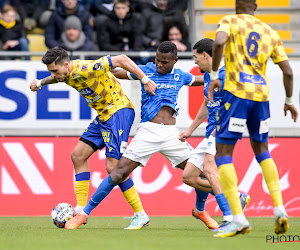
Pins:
x,y
223,204
201,198
102,191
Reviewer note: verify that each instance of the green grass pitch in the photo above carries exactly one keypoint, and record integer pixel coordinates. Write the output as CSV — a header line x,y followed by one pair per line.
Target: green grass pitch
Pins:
x,y
164,233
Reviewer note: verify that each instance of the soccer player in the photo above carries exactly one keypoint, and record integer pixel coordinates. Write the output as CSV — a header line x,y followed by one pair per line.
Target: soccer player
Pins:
x,y
157,131
202,159
249,44
111,127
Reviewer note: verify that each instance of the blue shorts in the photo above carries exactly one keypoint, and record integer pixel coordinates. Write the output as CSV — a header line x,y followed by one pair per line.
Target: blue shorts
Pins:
x,y
236,113
112,134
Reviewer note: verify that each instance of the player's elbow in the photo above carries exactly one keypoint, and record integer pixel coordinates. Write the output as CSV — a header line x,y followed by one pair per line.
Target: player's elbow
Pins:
x,y
120,60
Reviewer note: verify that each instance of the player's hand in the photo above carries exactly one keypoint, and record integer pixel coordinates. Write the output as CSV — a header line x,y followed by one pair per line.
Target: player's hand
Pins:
x,y
150,87
213,133
33,86
184,135
293,111
211,88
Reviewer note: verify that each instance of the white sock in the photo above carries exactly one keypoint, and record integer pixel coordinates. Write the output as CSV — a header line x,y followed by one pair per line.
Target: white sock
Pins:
x,y
141,214
78,209
239,218
227,218
84,213
279,209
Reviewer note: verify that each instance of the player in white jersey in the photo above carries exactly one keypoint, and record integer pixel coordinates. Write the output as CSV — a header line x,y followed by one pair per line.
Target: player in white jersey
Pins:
x,y
157,131
202,159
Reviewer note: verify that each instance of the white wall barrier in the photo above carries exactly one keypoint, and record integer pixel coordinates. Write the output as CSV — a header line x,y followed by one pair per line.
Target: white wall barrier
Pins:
x,y
59,110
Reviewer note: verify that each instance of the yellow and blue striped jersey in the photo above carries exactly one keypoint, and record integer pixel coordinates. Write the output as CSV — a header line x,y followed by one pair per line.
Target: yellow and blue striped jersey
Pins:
x,y
99,87
248,47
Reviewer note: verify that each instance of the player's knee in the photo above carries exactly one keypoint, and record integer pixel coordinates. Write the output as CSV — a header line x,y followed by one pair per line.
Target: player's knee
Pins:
x,y
186,179
118,175
77,157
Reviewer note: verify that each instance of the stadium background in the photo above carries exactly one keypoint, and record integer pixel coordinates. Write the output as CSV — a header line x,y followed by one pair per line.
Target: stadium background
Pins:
x,y
39,131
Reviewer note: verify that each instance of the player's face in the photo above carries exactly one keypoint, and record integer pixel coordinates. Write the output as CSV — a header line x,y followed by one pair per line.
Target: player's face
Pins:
x,y
201,60
59,72
164,62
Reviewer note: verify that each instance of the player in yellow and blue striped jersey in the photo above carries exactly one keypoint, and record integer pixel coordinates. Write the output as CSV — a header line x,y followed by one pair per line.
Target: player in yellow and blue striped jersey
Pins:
x,y
115,115
249,44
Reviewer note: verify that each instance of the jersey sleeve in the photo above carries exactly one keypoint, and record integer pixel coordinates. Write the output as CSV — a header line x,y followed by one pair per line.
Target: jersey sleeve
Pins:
x,y
189,79
132,76
279,54
224,25
96,67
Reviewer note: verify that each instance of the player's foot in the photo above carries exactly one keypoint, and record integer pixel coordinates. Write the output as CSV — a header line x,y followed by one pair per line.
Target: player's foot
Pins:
x,y
205,217
76,221
222,227
234,228
245,199
281,223
138,222
78,210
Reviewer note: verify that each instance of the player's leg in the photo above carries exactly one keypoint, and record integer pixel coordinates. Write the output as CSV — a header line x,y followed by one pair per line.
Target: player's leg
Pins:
x,y
117,176
80,156
231,125
258,127
201,160
128,189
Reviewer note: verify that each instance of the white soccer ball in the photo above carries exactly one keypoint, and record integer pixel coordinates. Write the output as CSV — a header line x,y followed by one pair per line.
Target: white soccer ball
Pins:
x,y
61,214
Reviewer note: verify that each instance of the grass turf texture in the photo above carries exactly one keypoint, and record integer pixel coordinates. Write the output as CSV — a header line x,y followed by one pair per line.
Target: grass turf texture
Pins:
x,y
163,233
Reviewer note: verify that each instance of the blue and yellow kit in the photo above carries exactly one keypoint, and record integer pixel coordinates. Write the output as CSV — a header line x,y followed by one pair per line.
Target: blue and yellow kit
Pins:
x,y
250,44
99,87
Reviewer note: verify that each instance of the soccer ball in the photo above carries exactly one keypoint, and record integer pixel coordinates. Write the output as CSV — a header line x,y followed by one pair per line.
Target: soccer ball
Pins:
x,y
61,214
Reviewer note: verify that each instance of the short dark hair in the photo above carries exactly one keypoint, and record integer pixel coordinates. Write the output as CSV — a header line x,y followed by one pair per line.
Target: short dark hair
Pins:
x,y
204,45
57,55
168,47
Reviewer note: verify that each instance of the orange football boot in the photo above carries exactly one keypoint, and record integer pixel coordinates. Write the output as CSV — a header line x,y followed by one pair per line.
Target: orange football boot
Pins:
x,y
205,217
76,221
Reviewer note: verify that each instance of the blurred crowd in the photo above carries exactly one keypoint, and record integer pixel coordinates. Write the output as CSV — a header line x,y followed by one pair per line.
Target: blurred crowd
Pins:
x,y
94,25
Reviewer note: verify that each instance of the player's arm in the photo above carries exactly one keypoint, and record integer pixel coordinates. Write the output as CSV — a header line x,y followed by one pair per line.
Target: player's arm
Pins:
x,y
36,84
199,81
288,85
126,63
217,54
120,73
200,117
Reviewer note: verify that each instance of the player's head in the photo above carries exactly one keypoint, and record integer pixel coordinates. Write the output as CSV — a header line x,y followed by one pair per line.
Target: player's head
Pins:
x,y
202,52
166,57
57,61
245,6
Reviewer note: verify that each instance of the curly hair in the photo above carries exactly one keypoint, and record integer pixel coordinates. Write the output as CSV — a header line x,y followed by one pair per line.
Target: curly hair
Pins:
x,y
57,55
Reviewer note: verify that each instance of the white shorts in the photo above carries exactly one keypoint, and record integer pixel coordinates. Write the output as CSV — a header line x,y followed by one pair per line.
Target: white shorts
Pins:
x,y
151,138
206,146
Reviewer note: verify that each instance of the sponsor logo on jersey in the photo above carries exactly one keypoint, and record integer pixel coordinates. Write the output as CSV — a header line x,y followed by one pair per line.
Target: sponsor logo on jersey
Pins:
x,y
214,104
106,136
121,132
237,125
93,100
166,86
150,74
75,76
86,92
255,79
